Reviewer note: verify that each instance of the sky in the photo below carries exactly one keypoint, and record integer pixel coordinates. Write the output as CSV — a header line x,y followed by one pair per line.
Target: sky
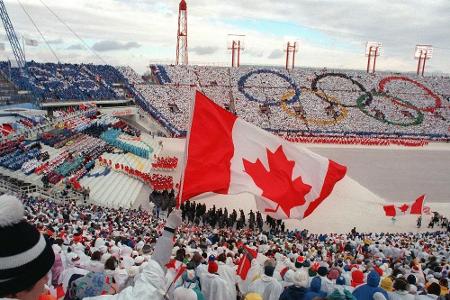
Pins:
x,y
330,33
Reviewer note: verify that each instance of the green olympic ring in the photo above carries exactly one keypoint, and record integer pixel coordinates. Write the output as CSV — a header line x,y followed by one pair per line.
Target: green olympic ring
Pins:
x,y
418,119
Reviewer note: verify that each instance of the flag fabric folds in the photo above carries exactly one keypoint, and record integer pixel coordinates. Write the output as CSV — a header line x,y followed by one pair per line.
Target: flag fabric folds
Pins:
x,y
415,208
227,155
246,262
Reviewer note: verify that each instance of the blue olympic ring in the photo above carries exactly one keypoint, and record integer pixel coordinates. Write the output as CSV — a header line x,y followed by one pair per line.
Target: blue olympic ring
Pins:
x,y
243,80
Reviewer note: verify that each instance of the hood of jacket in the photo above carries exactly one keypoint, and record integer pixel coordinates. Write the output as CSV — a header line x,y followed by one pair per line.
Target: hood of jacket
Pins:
x,y
316,283
373,279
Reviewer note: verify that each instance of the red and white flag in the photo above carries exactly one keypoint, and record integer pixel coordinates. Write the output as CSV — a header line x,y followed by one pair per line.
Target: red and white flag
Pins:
x,y
415,208
227,155
245,263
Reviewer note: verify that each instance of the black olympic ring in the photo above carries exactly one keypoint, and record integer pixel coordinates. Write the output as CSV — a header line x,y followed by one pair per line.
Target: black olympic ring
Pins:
x,y
344,76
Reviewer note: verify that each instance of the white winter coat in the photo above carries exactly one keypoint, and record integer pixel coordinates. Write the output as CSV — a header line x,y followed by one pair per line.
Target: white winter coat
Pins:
x,y
214,287
229,275
400,295
268,287
150,285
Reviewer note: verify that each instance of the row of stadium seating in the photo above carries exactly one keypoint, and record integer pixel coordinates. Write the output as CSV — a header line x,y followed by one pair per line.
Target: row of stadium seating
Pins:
x,y
59,82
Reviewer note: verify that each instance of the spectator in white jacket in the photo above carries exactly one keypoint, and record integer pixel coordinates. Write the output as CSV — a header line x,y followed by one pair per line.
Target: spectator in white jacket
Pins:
x,y
401,290
433,292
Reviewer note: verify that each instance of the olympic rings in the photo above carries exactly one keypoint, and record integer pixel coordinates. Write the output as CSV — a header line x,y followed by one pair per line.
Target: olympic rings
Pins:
x,y
341,75
437,99
362,101
293,85
343,112
362,105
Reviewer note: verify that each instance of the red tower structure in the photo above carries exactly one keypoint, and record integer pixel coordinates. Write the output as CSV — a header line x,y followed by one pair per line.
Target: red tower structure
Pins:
x,y
235,53
182,42
422,53
291,49
372,52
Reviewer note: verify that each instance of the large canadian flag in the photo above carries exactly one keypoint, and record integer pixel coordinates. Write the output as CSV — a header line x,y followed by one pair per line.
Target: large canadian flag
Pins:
x,y
227,155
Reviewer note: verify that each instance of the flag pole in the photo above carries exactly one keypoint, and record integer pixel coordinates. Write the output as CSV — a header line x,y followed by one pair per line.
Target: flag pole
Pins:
x,y
186,147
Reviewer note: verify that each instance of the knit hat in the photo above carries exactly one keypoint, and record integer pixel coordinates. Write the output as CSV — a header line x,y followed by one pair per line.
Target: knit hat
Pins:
x,y
387,284
311,272
333,274
340,280
322,271
213,267
357,278
299,262
411,279
25,256
300,279
253,296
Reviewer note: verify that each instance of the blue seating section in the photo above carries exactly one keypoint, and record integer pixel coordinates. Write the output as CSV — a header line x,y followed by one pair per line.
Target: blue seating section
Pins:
x,y
16,159
162,75
111,137
64,82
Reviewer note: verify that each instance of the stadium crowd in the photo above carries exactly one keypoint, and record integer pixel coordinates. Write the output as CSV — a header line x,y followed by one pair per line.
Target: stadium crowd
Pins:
x,y
131,254
62,82
307,100
168,163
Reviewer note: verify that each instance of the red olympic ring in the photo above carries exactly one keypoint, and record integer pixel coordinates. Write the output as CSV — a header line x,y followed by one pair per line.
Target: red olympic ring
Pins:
x,y
437,99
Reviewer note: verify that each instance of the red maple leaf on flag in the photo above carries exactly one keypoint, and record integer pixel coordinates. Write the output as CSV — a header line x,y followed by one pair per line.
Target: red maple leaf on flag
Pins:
x,y
277,183
404,208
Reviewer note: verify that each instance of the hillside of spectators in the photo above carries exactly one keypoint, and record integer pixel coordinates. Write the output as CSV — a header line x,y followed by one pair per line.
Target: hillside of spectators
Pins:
x,y
107,251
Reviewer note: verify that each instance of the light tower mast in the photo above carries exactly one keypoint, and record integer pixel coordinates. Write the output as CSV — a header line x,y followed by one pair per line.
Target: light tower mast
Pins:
x,y
422,53
372,52
12,37
236,45
182,43
291,49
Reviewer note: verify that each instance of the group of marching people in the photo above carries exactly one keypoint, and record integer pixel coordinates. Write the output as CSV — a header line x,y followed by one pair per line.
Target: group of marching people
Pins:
x,y
353,140
67,251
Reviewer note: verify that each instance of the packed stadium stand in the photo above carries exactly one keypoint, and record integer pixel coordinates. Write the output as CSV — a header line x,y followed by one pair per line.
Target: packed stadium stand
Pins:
x,y
305,101
294,103
62,82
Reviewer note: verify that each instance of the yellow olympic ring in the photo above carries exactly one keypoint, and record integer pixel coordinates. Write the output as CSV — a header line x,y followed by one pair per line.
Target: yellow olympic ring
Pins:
x,y
343,112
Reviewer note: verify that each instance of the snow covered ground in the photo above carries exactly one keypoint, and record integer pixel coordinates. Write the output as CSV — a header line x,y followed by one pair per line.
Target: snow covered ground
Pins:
x,y
395,173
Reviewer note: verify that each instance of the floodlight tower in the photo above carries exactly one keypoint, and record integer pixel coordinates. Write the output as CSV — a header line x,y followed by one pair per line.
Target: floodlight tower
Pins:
x,y
422,53
236,45
182,43
372,52
235,53
12,37
291,49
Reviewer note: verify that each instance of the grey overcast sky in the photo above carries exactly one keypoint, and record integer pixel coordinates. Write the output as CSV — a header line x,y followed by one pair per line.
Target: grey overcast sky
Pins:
x,y
330,33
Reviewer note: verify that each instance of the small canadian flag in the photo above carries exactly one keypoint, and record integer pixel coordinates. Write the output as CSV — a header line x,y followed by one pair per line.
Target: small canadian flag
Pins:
x,y
227,155
416,208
